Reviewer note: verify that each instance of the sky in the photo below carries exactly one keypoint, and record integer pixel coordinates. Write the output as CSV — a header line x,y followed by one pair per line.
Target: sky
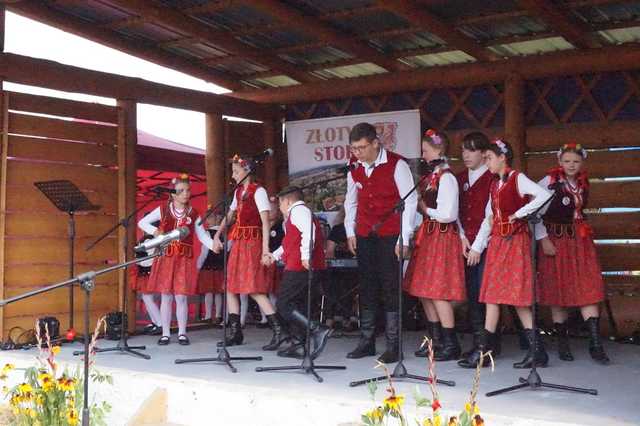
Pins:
x,y
31,38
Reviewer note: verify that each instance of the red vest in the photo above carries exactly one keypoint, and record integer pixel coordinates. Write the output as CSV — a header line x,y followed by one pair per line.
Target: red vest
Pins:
x,y
472,202
291,246
168,222
505,202
248,224
377,195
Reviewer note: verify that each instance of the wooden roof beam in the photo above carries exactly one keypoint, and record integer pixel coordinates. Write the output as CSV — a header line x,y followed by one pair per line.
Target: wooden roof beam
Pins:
x,y
418,16
188,26
53,75
40,12
605,59
324,32
571,29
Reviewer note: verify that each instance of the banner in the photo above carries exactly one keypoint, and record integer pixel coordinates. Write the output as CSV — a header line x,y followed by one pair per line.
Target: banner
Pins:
x,y
317,147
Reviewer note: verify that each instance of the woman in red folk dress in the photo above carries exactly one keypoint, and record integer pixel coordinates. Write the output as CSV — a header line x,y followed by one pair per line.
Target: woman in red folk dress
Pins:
x,y
436,270
173,274
246,274
507,277
568,269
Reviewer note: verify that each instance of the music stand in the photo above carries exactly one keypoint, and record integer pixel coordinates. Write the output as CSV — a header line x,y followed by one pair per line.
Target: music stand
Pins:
x,y
67,198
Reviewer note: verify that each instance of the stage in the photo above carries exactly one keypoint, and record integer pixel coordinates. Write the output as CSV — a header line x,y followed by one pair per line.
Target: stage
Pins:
x,y
209,394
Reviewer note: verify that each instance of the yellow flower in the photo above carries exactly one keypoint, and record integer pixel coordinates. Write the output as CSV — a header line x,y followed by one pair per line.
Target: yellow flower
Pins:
x,y
46,381
30,412
8,367
467,408
427,422
376,414
437,420
25,388
394,402
55,350
66,383
72,417
39,400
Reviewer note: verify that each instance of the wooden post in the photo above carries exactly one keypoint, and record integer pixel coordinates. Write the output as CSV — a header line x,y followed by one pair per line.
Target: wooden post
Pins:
x,y
215,157
270,166
127,141
4,119
514,122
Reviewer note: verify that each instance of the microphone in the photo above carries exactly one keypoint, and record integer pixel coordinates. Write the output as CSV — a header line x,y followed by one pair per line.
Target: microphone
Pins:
x,y
163,189
164,239
262,156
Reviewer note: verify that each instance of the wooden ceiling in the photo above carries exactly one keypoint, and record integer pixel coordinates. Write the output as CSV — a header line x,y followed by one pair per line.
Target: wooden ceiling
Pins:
x,y
254,46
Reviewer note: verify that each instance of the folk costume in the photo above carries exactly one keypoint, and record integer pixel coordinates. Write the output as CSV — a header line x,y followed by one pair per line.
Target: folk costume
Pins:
x,y
139,282
211,279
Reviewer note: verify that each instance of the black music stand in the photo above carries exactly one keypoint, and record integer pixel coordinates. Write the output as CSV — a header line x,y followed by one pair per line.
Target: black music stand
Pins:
x,y
67,198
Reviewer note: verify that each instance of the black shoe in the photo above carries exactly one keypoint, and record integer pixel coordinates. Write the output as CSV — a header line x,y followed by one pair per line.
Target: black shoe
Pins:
x,y
164,341
434,329
562,334
367,344
596,349
391,333
183,340
152,330
450,349
485,344
279,334
319,333
295,350
535,353
234,332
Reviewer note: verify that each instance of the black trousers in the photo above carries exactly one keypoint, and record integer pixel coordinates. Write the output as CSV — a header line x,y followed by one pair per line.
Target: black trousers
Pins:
x,y
473,280
377,272
292,294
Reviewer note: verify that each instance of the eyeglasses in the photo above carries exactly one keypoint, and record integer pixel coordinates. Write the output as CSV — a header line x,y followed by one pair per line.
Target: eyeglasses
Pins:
x,y
359,148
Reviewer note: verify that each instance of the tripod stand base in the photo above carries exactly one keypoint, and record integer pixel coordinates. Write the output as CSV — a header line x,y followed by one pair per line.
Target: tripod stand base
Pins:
x,y
400,372
223,357
122,348
307,366
533,381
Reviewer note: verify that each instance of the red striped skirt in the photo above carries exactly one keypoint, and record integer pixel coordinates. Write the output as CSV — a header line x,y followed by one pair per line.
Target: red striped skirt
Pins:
x,y
573,276
245,273
436,268
210,281
173,275
507,277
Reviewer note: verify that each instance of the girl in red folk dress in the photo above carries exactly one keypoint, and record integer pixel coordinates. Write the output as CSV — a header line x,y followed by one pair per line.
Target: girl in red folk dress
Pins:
x,y
174,274
245,272
568,270
210,274
507,278
436,270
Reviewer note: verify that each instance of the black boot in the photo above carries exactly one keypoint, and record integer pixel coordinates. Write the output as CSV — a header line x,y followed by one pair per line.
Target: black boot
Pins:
x,y
279,334
450,349
474,343
391,354
596,350
562,334
295,350
536,351
367,344
434,328
234,332
319,334
486,340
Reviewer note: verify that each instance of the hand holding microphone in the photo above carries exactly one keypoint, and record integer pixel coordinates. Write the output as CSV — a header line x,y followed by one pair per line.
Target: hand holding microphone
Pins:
x,y
163,239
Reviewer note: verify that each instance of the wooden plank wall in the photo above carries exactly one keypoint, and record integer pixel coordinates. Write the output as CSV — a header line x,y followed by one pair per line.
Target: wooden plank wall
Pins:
x,y
56,146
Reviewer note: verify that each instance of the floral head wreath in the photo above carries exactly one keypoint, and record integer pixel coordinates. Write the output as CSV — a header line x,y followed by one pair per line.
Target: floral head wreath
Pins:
x,y
436,139
575,147
501,146
182,177
241,162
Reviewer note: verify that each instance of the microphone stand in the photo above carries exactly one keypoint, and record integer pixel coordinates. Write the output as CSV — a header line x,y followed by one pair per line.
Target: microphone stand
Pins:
x,y
400,371
123,345
223,354
307,366
533,380
87,283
